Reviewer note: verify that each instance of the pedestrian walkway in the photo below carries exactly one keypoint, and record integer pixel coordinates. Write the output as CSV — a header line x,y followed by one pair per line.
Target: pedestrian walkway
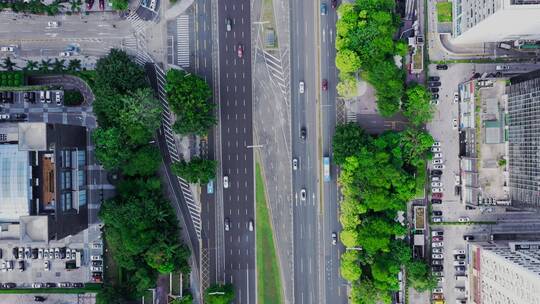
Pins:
x,y
409,9
182,41
137,23
275,68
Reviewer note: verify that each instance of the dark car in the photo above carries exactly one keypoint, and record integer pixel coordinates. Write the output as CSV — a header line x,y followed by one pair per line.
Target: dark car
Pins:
x,y
434,90
467,207
434,78
39,299
325,85
436,172
102,4
78,285
34,250
50,285
26,96
459,257
334,3
303,133
15,252
442,67
89,4
324,9
97,263
437,268
240,51
22,116
21,265
434,84
437,213
9,97
436,201
460,268
9,285
435,96
468,237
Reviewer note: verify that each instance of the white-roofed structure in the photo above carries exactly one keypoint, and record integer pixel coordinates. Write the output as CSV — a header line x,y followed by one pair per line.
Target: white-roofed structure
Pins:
x,y
15,187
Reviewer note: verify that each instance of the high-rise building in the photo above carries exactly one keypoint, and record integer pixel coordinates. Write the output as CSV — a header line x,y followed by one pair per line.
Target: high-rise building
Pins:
x,y
524,138
478,21
504,273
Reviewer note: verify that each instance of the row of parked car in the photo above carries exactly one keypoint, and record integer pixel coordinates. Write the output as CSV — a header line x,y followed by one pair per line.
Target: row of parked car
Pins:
x,y
33,97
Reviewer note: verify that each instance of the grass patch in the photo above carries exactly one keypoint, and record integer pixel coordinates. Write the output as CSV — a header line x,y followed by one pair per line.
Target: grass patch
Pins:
x,y
89,287
420,180
268,278
418,58
444,11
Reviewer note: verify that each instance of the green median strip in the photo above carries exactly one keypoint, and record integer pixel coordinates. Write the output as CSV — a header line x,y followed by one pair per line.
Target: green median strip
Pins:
x,y
268,275
90,288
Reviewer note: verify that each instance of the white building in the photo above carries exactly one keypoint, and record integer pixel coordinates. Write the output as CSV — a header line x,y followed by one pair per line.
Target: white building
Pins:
x,y
504,273
476,21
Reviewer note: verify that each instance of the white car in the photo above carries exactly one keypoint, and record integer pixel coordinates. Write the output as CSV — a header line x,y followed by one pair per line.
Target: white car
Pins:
x,y
303,194
437,155
64,54
437,233
463,219
96,268
438,167
436,219
225,181
436,184
436,144
458,251
459,263
250,225
436,190
227,224
7,49
96,258
435,149
47,265
301,87
454,124
437,244
37,285
52,24
437,250
437,161
295,163
435,178
456,97
97,245
437,290
437,256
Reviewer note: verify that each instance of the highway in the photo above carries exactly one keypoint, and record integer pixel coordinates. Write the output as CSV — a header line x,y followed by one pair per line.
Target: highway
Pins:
x,y
236,157
316,260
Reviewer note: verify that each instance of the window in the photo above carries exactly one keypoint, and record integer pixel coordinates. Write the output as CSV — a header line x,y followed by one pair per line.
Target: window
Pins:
x,y
81,158
82,198
81,177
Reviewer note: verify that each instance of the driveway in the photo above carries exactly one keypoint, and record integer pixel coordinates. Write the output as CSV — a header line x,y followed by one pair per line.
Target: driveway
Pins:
x,y
69,82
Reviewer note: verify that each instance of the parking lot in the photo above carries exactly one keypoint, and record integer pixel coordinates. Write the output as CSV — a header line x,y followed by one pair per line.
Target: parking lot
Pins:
x,y
88,298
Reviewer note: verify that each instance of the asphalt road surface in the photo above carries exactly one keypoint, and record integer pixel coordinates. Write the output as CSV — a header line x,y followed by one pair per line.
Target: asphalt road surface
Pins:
x,y
236,156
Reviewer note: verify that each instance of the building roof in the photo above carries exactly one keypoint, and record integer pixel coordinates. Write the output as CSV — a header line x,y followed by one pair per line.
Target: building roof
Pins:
x,y
34,228
32,136
14,183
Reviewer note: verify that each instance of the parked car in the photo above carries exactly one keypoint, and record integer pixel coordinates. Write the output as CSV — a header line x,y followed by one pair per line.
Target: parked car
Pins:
x,y
434,90
78,285
437,233
9,285
442,67
440,280
434,84
468,237
96,258
97,245
240,51
434,78
64,284
436,144
437,296
50,285
437,161
334,238
437,155
438,167
436,219
459,263
436,184
89,4
456,96
437,267
464,219
436,172
96,268
437,274
37,285
52,24
334,3
458,251
435,178
437,212
437,238
436,190
461,301
454,124
437,244
460,257
435,96
460,268
47,265
437,250
64,54
437,290
102,5
436,201
436,196
436,149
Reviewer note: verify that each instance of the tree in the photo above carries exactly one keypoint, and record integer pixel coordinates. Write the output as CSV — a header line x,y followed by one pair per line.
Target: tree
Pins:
x,y
350,269
347,87
186,299
140,116
118,73
347,141
365,292
110,149
415,145
219,294
58,65
45,65
144,162
419,277
31,65
349,238
189,98
8,64
120,5
107,107
417,106
74,65
197,170
347,61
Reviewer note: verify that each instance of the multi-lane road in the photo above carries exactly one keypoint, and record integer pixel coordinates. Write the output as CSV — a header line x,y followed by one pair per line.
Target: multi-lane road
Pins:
x,y
236,155
316,260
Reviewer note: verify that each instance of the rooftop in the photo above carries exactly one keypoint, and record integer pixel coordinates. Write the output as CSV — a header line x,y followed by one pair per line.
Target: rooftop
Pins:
x,y
14,183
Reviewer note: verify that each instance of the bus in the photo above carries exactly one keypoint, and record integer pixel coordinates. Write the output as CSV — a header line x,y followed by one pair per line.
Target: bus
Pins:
x,y
326,168
210,187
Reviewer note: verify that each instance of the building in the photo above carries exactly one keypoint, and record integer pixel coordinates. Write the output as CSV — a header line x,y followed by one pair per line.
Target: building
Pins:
x,y
524,138
478,21
43,181
504,273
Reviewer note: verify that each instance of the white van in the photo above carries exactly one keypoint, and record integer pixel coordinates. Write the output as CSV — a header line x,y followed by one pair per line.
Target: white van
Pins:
x,y
505,46
461,277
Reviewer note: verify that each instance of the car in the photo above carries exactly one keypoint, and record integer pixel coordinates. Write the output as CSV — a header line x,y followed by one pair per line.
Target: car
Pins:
x,y
436,201
437,190
48,96
58,98
225,181
437,238
460,257
458,251
250,225
295,163
437,256
64,284
468,237
64,54
437,161
436,149
334,238
460,289
78,285
15,252
9,285
34,253
228,24
240,51
301,87
334,3
303,194
436,184
6,49
434,90
73,254
434,78
459,263
436,172
456,97
324,85
47,265
437,250
97,263
437,213
9,265
437,267
324,9
440,279
50,285
96,268
42,96
434,101
437,244
51,254
461,301
37,285
436,219
437,155
442,67
464,219
454,124
436,144
303,133
57,254
46,253
52,24
27,253
438,167
435,178
502,67
102,5
95,257
437,290
89,4
435,96
437,296
437,233
460,268
97,245
4,116
438,273
434,84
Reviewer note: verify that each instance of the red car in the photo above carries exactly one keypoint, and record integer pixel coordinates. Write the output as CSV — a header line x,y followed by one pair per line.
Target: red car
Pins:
x,y
436,195
89,4
240,51
437,239
325,85
102,5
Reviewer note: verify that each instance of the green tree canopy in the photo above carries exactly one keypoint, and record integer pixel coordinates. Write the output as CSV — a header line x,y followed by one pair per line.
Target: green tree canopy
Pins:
x,y
350,269
219,294
347,141
420,277
140,116
197,170
417,106
110,151
117,72
144,161
347,61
